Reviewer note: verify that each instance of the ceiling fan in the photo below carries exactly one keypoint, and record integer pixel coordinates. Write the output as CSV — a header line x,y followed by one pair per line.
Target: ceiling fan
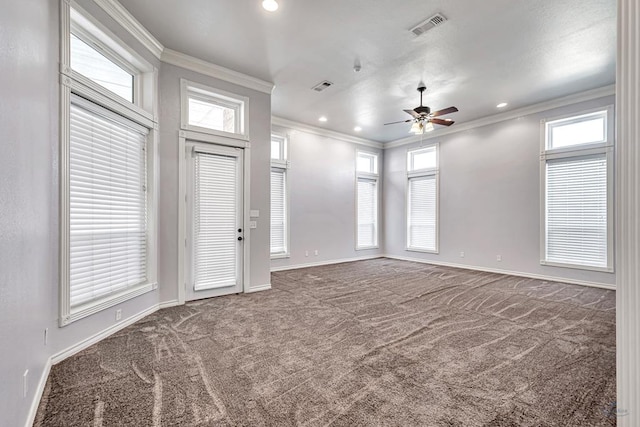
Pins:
x,y
423,119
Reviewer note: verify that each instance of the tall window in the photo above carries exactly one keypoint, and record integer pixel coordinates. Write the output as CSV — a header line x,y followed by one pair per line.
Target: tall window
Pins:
x,y
367,200
422,199
279,199
578,190
107,249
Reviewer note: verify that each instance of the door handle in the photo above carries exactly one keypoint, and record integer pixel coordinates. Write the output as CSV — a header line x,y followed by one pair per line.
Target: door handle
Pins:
x,y
239,230
240,238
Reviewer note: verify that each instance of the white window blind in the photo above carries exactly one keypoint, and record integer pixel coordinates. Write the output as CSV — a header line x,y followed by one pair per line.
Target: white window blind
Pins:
x,y
367,213
576,221
215,222
422,213
278,211
108,205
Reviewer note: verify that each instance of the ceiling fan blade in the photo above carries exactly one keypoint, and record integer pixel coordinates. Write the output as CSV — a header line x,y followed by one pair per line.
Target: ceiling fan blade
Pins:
x,y
442,122
413,113
401,121
443,112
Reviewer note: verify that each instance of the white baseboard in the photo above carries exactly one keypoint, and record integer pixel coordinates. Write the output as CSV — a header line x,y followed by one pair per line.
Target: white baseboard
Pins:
x,y
70,351
33,410
258,288
316,264
168,304
507,272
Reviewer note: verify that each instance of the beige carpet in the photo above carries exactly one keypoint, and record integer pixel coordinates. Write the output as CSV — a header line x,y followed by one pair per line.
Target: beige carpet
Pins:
x,y
368,343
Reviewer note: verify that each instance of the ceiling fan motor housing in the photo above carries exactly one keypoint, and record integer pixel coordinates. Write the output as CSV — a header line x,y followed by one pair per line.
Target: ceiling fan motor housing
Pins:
x,y
422,110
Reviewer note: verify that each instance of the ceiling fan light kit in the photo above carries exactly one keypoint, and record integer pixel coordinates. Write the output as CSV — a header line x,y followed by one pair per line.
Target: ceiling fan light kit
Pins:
x,y
423,119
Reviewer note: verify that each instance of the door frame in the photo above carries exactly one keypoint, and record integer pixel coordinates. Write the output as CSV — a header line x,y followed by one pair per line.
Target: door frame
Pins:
x,y
198,137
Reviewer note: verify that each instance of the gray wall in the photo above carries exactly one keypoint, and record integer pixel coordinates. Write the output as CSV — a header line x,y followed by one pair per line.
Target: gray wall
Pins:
x,y
489,197
28,196
322,199
259,131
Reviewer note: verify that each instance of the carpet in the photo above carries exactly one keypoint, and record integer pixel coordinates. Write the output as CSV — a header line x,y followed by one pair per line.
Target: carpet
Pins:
x,y
368,343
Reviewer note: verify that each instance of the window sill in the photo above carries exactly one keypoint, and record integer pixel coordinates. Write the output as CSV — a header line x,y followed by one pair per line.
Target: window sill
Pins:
x,y
577,266
426,251
93,307
280,256
364,248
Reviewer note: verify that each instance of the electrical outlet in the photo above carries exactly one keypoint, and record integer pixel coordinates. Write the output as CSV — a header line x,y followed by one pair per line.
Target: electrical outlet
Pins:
x,y
461,254
118,314
306,253
25,383
46,336
498,257
315,252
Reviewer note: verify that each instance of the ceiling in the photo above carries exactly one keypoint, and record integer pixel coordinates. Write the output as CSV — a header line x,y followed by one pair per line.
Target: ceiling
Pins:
x,y
516,51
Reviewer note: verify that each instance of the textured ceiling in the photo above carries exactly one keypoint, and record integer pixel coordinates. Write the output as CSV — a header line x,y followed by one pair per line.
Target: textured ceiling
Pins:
x,y
519,51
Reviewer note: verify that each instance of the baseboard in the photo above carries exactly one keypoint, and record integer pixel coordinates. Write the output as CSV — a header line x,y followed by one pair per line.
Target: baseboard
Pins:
x,y
168,304
258,288
70,351
507,272
316,264
35,403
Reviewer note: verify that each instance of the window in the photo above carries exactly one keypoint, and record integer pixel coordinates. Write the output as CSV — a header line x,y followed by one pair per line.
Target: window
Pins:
x,y
279,198
107,212
367,200
213,111
87,61
422,199
107,142
577,191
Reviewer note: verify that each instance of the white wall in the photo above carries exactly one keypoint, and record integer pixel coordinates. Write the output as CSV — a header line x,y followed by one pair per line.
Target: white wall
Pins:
x,y
489,197
259,131
28,196
322,199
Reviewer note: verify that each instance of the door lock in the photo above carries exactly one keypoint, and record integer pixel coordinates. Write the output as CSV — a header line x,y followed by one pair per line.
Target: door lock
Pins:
x,y
240,238
239,230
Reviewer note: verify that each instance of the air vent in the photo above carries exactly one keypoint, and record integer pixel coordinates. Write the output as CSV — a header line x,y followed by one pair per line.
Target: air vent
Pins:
x,y
322,86
430,23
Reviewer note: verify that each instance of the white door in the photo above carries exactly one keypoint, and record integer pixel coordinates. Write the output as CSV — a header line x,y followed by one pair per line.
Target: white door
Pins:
x,y
214,255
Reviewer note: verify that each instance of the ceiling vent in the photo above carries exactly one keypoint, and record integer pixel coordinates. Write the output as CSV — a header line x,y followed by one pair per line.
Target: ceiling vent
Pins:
x,y
430,23
322,86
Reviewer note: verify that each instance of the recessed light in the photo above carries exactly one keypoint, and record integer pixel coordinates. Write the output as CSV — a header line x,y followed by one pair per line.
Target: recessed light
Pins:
x,y
502,105
322,119
357,128
270,5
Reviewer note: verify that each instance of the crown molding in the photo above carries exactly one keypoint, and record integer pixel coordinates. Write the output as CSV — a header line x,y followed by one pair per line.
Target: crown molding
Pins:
x,y
279,121
179,59
123,17
508,115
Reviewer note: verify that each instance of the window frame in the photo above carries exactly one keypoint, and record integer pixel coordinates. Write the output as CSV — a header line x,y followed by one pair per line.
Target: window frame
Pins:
x,y
282,164
204,93
371,176
418,173
586,150
142,112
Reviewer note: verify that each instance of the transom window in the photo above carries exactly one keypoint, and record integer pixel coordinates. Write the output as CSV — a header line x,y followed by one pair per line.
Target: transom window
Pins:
x,y
86,60
367,162
209,110
577,198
